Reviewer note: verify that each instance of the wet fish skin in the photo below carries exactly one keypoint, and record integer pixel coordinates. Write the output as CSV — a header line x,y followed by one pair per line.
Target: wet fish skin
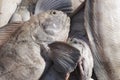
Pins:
x,y
77,25
102,23
21,14
86,60
7,8
20,56
53,26
24,11
21,61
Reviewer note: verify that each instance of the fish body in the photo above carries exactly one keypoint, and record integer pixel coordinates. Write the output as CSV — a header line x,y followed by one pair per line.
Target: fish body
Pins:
x,y
21,56
86,63
24,11
102,21
7,8
21,14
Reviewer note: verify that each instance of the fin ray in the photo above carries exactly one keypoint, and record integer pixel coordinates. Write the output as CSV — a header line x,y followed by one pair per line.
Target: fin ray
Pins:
x,y
7,31
64,56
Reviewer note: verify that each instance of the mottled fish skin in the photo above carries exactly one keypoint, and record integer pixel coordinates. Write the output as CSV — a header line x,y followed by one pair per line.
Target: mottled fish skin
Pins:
x,y
7,8
102,21
21,14
24,11
67,6
20,56
53,26
86,60
65,59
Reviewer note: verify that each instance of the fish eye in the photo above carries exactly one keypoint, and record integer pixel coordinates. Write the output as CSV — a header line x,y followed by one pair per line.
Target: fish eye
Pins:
x,y
75,41
53,12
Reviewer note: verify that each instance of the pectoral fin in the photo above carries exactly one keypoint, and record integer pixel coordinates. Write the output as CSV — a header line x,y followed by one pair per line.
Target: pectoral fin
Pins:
x,y
64,56
7,31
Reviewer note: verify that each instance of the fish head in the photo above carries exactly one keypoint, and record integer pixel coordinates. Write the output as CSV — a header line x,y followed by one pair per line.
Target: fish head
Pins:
x,y
53,26
54,21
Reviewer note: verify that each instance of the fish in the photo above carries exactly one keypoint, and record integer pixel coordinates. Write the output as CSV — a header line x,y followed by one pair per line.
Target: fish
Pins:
x,y
21,14
85,64
8,31
21,56
77,27
64,58
54,25
24,11
102,23
67,6
7,8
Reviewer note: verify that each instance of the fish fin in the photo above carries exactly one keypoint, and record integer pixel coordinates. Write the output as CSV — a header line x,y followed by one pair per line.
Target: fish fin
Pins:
x,y
7,31
86,61
43,5
64,56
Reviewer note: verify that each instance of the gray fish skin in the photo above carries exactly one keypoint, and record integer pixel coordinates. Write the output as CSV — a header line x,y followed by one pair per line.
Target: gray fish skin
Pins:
x,y
86,60
77,25
21,57
102,21
21,61
67,6
65,59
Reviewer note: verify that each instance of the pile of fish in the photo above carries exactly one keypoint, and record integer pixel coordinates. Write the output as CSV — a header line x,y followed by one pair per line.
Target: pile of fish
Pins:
x,y
59,40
